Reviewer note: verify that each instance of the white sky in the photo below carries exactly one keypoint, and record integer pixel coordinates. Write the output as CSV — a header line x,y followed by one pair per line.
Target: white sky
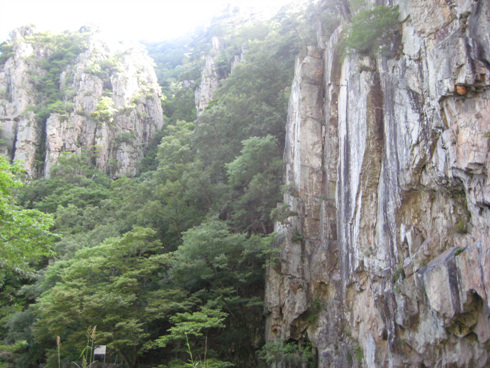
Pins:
x,y
149,20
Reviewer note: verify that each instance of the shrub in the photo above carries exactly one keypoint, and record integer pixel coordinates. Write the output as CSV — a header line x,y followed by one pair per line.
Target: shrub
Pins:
x,y
461,227
6,51
291,353
104,110
371,31
458,251
281,213
398,275
297,237
359,353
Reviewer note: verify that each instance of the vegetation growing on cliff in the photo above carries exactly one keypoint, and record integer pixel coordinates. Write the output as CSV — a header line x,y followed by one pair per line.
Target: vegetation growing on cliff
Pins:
x,y
169,265
62,51
372,31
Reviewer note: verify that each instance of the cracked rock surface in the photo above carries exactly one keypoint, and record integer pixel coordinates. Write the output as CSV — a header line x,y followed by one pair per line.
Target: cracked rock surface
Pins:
x,y
385,257
121,76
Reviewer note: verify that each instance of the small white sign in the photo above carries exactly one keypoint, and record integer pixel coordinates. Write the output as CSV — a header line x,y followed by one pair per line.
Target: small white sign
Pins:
x,y
100,350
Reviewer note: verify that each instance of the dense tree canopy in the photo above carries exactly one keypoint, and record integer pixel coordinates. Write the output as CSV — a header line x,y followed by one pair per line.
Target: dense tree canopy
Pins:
x,y
166,269
24,233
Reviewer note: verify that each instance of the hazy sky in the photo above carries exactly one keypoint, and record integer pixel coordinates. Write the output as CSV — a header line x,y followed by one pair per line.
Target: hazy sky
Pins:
x,y
119,19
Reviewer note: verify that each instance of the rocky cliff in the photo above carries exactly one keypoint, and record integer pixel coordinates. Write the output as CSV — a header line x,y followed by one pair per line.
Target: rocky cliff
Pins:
x,y
385,249
74,92
206,90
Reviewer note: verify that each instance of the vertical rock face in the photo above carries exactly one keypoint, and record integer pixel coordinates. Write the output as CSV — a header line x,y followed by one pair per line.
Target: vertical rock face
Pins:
x,y
105,100
209,78
385,257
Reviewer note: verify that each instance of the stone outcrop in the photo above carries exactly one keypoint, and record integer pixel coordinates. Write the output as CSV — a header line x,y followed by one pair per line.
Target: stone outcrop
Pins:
x,y
385,253
109,104
211,76
204,93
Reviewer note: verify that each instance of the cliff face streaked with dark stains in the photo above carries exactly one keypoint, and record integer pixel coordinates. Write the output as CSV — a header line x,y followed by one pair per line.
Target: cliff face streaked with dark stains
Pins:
x,y
385,255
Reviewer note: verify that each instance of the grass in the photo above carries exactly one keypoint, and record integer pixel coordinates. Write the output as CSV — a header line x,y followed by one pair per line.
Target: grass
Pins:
x,y
458,251
359,353
461,227
398,275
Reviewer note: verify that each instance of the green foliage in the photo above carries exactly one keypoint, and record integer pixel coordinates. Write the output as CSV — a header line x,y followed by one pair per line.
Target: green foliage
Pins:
x,y
206,191
296,29
124,137
271,252
371,31
398,275
211,255
249,111
282,213
192,324
24,233
7,350
6,51
255,158
62,51
179,105
250,103
359,353
3,138
292,353
105,68
314,310
58,107
254,177
297,237
73,182
461,227
149,162
181,179
228,267
109,285
104,111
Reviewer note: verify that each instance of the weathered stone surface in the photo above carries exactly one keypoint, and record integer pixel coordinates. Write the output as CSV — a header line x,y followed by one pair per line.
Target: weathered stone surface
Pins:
x,y
209,78
389,186
129,83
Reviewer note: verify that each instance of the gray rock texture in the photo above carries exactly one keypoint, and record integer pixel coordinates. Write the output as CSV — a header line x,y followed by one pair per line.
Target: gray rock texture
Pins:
x,y
385,255
110,97
209,78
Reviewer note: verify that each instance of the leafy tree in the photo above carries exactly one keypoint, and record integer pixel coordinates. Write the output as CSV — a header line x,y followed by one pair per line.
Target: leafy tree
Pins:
x,y
180,104
24,234
225,270
192,326
251,102
290,353
104,110
255,176
108,286
73,181
183,188
24,240
371,31
205,190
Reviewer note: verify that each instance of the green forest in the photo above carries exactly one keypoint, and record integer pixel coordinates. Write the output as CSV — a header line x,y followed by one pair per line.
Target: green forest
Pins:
x,y
167,269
